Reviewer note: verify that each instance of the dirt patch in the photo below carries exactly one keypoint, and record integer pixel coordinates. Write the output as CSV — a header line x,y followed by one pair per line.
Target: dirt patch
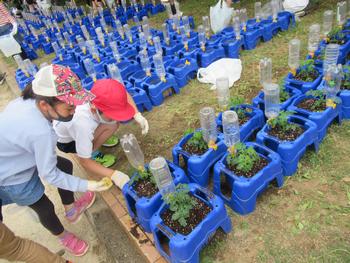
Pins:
x,y
145,188
309,104
290,135
258,165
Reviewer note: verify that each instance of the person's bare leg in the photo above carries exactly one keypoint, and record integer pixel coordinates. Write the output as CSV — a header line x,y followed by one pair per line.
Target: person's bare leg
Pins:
x,y
102,133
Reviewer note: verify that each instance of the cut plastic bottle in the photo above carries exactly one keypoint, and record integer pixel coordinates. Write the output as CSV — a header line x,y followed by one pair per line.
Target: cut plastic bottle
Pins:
x,y
223,92
201,37
115,51
186,24
128,33
144,61
89,67
85,32
137,23
230,125
120,29
294,55
265,67
146,31
208,125
143,41
275,9
114,72
243,17
327,22
237,27
30,67
341,13
333,79
166,34
257,10
314,38
331,56
160,170
206,24
159,65
157,45
272,100
184,37
58,50
81,44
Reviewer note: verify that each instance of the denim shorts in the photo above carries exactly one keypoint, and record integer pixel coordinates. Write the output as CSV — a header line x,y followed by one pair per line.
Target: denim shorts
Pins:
x,y
23,194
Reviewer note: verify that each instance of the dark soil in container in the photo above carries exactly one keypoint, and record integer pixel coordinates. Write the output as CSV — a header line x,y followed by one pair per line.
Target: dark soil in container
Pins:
x,y
307,104
256,168
307,76
291,135
345,85
194,150
145,188
197,214
243,120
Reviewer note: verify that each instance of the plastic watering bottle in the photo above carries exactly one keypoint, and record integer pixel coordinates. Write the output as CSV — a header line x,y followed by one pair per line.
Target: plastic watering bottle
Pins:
x,y
143,41
223,92
127,33
89,67
115,51
201,37
114,72
272,100
237,27
265,67
30,67
184,37
327,22
206,24
257,10
137,23
160,170
243,17
166,34
159,65
85,32
230,125
208,125
341,13
120,29
186,24
333,78
275,9
157,45
314,38
57,50
144,61
331,56
294,55
20,64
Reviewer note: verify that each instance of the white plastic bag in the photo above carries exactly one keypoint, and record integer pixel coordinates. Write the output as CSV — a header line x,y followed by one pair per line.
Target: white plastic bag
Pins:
x,y
294,6
225,67
220,16
9,46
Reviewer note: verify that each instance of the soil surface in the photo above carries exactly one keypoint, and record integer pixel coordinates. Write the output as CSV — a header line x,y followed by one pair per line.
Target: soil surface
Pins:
x,y
145,188
303,76
242,121
193,150
260,164
197,214
306,104
291,135
345,85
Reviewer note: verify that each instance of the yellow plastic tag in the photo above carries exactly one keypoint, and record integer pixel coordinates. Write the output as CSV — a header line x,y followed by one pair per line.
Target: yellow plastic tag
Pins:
x,y
293,71
212,145
203,48
312,54
187,62
331,103
141,168
148,73
163,79
107,182
186,47
232,150
94,79
130,40
245,28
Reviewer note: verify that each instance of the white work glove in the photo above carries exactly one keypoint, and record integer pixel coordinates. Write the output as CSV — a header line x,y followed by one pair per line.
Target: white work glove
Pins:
x,y
142,122
97,186
14,29
120,179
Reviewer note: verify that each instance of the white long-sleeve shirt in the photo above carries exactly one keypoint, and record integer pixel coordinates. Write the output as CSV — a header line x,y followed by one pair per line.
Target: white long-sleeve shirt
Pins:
x,y
28,143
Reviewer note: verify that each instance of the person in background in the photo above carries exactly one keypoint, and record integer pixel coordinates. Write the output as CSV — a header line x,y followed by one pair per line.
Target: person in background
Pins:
x,y
14,248
28,153
93,123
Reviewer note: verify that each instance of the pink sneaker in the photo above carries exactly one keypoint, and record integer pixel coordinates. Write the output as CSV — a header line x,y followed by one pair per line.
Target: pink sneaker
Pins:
x,y
74,245
80,205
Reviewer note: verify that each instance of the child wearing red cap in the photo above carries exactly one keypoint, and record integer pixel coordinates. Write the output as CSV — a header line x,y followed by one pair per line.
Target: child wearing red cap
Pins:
x,y
94,123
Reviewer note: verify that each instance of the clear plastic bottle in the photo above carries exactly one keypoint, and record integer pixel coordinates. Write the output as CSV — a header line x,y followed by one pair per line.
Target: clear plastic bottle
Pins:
x,y
275,9
127,32
333,78
124,5
160,170
159,65
166,34
327,22
243,17
60,40
137,23
257,9
206,24
95,54
120,29
143,41
272,100
115,51
186,24
265,67
208,124
30,67
176,23
58,50
237,27
66,37
331,56
157,45
184,37
294,55
114,72
230,125
146,31
201,37
85,32
144,61
20,64
223,92
341,13
314,38
89,67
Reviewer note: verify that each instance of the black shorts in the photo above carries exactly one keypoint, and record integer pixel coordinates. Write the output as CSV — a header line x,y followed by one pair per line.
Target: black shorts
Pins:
x,y
67,147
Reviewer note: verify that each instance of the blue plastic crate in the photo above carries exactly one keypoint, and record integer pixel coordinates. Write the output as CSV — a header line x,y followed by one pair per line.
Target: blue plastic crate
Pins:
x,y
211,54
127,67
142,208
173,47
197,167
183,70
345,97
141,99
138,78
322,119
186,249
259,101
252,37
256,121
232,47
157,90
301,85
214,40
30,53
243,192
66,59
47,47
291,151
